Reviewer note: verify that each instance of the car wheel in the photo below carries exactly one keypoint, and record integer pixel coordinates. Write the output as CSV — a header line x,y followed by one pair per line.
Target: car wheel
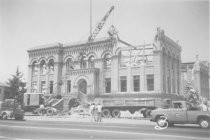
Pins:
x,y
161,122
4,116
204,123
116,113
106,113
50,112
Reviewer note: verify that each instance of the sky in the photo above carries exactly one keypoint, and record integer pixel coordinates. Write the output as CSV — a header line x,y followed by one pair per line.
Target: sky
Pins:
x,y
28,23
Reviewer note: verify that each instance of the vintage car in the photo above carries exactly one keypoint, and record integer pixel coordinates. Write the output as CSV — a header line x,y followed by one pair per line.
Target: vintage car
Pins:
x,y
10,109
181,112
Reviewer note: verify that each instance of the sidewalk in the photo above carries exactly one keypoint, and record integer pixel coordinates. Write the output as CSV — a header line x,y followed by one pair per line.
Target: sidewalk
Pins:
x,y
77,118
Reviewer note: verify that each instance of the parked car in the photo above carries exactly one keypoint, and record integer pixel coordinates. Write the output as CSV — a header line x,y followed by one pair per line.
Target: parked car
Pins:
x,y
181,112
9,108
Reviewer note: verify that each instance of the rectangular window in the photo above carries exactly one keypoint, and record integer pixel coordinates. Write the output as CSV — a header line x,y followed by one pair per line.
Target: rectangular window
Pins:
x,y
43,87
123,83
68,86
108,85
136,83
150,82
51,87
34,87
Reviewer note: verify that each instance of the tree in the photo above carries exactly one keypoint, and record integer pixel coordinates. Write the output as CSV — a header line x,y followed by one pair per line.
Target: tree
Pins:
x,y
191,94
17,87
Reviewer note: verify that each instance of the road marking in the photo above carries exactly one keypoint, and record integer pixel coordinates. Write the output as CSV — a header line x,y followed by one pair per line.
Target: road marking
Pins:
x,y
107,131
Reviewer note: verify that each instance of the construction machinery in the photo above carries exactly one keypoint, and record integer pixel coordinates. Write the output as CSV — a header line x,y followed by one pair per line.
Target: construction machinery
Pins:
x,y
100,26
33,101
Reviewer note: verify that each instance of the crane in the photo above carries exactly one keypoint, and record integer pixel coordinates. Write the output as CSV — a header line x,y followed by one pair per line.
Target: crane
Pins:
x,y
99,26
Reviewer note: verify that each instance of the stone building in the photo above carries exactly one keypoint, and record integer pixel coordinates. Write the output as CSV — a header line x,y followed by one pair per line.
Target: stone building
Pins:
x,y
106,68
197,74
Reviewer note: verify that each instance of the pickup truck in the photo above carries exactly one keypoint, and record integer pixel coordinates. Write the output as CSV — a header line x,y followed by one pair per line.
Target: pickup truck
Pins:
x,y
182,112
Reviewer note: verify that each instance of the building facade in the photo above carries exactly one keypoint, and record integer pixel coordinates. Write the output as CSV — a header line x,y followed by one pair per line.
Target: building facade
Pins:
x,y
197,74
106,68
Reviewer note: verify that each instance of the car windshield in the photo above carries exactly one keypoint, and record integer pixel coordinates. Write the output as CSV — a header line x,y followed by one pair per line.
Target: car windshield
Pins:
x,y
178,105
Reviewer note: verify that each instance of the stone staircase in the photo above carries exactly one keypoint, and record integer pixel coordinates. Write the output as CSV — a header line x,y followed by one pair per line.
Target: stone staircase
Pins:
x,y
56,103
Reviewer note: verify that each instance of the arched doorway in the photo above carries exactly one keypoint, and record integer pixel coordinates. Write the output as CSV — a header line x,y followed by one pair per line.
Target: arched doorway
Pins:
x,y
82,86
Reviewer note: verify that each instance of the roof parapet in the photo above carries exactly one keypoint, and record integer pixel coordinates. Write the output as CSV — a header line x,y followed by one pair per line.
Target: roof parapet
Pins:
x,y
47,46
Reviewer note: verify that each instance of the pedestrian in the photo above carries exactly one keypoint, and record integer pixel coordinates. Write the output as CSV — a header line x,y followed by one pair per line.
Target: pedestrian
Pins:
x,y
91,111
42,109
99,112
203,106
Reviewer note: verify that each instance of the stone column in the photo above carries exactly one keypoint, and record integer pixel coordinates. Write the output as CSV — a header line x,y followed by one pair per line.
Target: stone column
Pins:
x,y
58,77
47,79
143,84
101,77
29,84
129,77
164,70
175,77
171,73
115,74
64,75
158,83
38,79
178,76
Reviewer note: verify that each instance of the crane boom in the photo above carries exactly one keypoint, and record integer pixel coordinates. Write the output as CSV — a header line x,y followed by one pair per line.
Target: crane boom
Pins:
x,y
100,25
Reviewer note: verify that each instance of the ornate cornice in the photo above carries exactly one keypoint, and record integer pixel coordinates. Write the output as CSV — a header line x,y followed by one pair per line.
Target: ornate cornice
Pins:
x,y
106,44
83,71
46,47
44,52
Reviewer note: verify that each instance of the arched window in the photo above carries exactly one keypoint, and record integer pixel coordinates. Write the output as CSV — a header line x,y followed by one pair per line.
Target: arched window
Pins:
x,y
43,68
51,66
107,61
34,68
91,63
82,62
69,64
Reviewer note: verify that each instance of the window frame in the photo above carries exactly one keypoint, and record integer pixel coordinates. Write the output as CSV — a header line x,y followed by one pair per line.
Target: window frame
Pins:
x,y
51,87
107,87
138,83
68,86
149,78
123,83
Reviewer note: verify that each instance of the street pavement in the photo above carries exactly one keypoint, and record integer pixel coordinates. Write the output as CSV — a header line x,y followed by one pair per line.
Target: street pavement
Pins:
x,y
80,118
75,127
